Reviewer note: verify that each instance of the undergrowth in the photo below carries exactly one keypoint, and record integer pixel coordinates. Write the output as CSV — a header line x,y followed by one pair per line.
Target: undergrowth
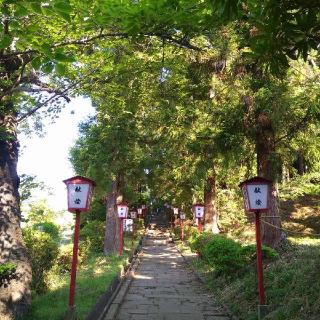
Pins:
x,y
93,278
292,282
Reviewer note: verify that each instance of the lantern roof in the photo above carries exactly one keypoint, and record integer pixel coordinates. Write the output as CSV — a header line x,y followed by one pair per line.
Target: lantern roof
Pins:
x,y
255,180
124,204
79,179
198,205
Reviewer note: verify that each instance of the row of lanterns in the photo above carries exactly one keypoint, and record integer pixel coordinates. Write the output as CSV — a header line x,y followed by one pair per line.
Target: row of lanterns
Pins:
x,y
123,211
255,191
80,190
198,211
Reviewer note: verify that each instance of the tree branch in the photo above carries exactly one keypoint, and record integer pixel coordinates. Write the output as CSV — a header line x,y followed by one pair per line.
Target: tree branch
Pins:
x,y
298,127
183,42
56,95
43,89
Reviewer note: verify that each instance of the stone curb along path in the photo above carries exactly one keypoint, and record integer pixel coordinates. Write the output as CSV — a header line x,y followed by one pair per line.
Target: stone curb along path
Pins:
x,y
107,302
160,287
116,300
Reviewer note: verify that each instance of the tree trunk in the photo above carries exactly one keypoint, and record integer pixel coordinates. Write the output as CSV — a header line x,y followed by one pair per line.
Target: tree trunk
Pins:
x,y
285,173
112,233
301,163
265,148
210,211
16,296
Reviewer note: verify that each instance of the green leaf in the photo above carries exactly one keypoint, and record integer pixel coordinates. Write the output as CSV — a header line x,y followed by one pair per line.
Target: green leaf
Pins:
x,y
64,15
60,69
48,67
63,9
5,41
36,7
46,48
62,57
62,6
36,63
20,11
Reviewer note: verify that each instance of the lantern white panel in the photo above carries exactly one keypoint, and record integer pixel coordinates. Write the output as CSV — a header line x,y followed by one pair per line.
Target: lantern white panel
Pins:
x,y
257,196
182,216
78,195
128,225
133,214
199,211
175,211
122,211
139,211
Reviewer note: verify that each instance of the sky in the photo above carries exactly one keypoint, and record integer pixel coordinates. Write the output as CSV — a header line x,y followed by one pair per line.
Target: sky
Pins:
x,y
47,157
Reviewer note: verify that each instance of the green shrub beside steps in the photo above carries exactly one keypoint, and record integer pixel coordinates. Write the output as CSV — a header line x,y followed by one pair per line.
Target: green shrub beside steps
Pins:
x,y
225,255
93,235
43,250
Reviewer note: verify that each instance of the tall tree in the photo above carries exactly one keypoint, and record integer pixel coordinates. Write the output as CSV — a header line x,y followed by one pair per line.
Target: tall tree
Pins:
x,y
37,40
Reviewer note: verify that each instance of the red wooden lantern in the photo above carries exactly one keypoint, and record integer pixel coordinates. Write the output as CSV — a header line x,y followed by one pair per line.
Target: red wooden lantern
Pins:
x,y
256,194
139,211
122,210
256,199
79,200
133,214
198,210
79,193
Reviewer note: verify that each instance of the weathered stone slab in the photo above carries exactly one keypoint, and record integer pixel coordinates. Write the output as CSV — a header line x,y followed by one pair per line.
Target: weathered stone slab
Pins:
x,y
162,288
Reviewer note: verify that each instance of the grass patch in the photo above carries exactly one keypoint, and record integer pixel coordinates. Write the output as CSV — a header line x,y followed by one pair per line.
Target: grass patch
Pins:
x,y
93,278
292,282
292,285
308,184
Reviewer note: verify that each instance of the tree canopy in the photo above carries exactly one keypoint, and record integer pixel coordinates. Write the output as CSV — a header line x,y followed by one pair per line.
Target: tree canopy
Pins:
x,y
191,97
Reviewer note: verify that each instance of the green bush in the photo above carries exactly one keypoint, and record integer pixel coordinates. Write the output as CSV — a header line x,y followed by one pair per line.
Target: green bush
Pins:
x,y
198,241
64,259
190,233
43,250
249,252
93,235
48,227
224,254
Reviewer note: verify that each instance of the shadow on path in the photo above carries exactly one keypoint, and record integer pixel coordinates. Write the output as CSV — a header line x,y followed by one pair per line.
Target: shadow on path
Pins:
x,y
163,288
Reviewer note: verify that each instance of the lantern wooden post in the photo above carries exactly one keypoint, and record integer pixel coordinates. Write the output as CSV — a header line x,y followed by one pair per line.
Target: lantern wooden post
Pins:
x,y
133,216
79,200
199,225
175,215
256,200
182,218
74,260
122,209
198,210
262,299
121,237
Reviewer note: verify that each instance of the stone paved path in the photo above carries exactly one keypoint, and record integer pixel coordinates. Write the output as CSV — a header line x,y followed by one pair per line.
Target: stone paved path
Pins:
x,y
164,289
